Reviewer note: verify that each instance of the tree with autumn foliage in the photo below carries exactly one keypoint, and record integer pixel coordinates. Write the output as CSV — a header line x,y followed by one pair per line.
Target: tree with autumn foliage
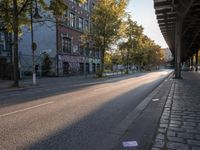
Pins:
x,y
138,49
131,41
106,20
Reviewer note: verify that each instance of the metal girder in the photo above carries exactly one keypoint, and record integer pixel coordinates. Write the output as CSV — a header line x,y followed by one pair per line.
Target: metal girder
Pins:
x,y
182,11
188,12
172,15
179,21
184,3
194,38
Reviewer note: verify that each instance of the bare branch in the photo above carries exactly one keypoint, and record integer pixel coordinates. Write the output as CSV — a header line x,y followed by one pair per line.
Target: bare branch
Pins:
x,y
23,7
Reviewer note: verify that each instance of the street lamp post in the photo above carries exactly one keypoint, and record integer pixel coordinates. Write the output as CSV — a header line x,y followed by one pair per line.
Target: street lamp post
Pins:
x,y
57,47
33,44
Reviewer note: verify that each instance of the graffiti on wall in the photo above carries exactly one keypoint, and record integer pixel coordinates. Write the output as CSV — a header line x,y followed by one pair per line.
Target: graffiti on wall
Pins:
x,y
73,59
72,64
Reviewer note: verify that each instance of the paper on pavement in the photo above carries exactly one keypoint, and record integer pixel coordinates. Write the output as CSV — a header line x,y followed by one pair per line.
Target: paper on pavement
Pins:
x,y
130,143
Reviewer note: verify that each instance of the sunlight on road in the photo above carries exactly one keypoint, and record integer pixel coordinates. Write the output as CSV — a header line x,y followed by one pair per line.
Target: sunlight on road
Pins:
x,y
67,111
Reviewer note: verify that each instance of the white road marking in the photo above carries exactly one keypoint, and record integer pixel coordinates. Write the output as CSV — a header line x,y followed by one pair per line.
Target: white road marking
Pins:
x,y
93,83
25,109
155,99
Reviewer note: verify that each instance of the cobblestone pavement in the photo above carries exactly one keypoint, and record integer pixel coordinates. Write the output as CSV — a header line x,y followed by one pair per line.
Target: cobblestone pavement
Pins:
x,y
179,127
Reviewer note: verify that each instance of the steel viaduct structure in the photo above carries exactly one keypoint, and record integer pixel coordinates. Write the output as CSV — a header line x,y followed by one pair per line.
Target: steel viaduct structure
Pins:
x,y
179,22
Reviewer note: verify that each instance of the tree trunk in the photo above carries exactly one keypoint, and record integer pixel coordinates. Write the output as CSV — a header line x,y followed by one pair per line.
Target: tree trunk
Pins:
x,y
15,30
102,63
127,63
103,50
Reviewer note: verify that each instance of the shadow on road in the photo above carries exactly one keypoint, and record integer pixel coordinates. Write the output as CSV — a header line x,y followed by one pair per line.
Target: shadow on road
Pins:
x,y
56,88
94,131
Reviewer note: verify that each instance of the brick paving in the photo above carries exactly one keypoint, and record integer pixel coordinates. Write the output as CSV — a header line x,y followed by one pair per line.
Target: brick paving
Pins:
x,y
179,127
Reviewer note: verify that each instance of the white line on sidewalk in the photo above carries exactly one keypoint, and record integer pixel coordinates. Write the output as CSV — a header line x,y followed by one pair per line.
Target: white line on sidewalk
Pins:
x,y
25,109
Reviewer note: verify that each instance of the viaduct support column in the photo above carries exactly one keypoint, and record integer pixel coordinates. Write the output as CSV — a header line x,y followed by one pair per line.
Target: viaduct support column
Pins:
x,y
192,63
178,35
189,60
197,61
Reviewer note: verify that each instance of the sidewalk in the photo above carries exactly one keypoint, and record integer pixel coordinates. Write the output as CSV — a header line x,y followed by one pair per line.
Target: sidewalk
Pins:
x,y
143,120
6,85
168,119
179,127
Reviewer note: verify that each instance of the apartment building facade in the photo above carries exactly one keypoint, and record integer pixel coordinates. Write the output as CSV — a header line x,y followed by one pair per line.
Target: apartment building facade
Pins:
x,y
62,41
5,55
73,58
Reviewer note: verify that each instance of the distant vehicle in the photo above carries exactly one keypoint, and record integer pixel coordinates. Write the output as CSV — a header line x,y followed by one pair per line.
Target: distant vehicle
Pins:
x,y
185,68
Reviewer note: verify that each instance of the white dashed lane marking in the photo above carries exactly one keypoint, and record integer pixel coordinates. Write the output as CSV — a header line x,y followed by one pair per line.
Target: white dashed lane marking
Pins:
x,y
25,109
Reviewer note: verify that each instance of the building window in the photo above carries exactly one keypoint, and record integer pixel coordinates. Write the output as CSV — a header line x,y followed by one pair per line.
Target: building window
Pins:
x,y
98,53
1,37
86,25
80,5
86,6
2,42
80,24
67,45
1,48
87,49
81,68
72,20
93,67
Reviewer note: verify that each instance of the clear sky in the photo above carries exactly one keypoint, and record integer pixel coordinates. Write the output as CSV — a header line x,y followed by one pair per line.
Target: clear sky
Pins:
x,y
143,12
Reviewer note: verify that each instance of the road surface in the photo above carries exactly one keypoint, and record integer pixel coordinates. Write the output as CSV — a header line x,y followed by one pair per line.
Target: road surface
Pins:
x,y
77,116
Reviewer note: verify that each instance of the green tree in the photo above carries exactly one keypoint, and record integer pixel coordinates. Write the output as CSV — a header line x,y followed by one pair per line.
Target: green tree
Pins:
x,y
152,53
116,58
138,49
106,20
131,42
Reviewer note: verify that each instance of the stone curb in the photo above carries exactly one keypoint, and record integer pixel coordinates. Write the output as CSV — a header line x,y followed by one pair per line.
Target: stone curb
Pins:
x,y
138,110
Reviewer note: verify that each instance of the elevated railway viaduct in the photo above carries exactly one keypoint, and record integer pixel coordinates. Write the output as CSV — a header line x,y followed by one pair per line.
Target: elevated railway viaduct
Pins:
x,y
179,22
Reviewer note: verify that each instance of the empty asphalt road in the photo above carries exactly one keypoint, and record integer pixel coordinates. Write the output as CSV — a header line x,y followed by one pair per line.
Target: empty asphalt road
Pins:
x,y
76,116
